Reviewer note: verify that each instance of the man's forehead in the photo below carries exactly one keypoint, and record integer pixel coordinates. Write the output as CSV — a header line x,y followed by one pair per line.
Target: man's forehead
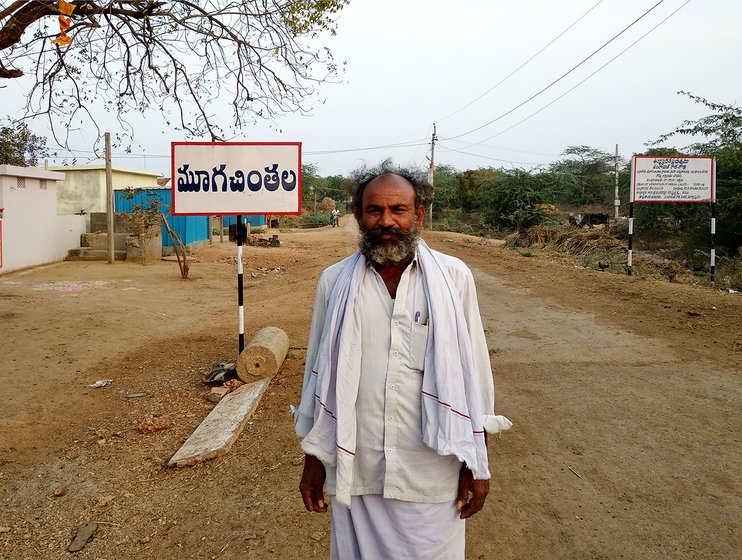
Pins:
x,y
390,181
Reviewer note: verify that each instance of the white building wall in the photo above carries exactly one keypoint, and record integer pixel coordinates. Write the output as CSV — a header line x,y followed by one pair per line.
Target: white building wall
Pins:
x,y
32,233
84,187
67,234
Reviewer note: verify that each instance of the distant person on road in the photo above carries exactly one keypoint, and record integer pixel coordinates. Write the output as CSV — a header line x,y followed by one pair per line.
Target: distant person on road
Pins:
x,y
398,390
335,217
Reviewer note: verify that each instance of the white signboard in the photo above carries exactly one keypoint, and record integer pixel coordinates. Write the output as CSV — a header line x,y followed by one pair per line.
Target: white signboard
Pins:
x,y
672,179
225,178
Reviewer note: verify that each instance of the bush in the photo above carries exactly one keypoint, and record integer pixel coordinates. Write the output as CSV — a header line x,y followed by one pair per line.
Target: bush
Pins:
x,y
513,201
728,273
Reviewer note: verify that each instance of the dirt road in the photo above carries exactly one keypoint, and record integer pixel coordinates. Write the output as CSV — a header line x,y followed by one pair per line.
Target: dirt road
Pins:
x,y
625,394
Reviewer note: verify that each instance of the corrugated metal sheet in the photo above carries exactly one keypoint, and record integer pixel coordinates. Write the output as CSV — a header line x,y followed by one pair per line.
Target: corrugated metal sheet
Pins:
x,y
191,229
254,221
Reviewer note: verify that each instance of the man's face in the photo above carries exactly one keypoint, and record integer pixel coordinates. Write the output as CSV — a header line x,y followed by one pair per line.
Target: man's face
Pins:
x,y
388,220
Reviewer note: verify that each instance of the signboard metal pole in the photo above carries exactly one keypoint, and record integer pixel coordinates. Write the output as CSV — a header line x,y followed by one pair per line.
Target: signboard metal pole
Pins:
x,y
629,256
240,302
712,268
617,199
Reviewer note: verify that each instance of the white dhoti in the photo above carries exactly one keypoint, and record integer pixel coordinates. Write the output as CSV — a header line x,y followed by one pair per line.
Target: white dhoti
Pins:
x,y
375,528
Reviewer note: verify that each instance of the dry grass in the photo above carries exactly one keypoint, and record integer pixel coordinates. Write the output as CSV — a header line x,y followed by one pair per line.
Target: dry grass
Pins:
x,y
572,240
596,248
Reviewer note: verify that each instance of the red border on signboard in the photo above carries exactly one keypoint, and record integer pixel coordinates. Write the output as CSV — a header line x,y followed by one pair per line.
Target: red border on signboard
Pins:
x,y
172,175
713,180
1,237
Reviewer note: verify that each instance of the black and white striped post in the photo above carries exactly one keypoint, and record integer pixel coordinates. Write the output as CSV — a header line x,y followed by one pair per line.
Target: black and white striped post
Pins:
x,y
240,302
712,268
630,252
712,264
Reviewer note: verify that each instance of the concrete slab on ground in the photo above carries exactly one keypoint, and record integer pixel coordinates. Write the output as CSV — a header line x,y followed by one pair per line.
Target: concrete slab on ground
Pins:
x,y
219,430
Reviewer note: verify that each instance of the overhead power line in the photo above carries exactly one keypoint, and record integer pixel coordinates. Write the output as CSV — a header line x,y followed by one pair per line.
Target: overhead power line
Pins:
x,y
504,149
524,64
448,149
410,144
130,155
583,61
582,81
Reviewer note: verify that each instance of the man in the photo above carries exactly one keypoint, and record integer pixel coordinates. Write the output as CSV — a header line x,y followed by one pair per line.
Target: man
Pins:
x,y
398,388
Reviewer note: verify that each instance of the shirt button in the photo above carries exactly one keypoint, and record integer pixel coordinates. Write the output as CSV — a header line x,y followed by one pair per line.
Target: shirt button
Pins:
x,y
390,418
389,450
392,386
396,353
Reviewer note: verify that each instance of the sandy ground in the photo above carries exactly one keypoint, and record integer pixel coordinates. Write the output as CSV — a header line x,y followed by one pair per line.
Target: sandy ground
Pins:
x,y
625,394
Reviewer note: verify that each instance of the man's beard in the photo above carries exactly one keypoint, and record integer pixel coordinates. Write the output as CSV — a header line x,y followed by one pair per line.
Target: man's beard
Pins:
x,y
401,249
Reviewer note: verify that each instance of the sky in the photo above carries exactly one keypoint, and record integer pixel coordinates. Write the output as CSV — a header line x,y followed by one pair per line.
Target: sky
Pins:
x,y
469,67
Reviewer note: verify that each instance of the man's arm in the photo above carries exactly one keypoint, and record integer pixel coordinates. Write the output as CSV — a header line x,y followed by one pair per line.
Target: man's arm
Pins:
x,y
313,477
472,493
312,483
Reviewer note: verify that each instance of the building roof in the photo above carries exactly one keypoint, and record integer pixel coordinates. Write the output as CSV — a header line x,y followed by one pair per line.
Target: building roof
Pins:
x,y
102,167
30,172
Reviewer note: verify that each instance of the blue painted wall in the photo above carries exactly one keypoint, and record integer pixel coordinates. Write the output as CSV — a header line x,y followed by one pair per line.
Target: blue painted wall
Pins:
x,y
191,229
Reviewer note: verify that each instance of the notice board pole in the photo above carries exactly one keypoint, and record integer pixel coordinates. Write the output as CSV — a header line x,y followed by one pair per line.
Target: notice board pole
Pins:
x,y
240,303
630,252
712,268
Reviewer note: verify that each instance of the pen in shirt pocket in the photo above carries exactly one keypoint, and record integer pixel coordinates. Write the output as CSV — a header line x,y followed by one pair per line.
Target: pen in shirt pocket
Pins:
x,y
417,319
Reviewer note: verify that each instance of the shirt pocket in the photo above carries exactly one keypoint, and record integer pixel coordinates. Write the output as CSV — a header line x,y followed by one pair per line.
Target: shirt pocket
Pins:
x,y
418,346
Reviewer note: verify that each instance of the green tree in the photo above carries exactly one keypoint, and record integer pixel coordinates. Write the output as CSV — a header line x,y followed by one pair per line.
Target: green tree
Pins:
x,y
185,58
20,146
513,199
336,189
447,187
593,170
312,185
558,187
720,130
472,186
719,135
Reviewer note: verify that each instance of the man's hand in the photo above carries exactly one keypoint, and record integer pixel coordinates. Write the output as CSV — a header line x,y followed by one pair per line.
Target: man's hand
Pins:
x,y
466,504
312,482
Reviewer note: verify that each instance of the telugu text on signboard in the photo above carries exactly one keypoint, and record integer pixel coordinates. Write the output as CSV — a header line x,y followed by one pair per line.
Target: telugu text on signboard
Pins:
x,y
672,179
224,178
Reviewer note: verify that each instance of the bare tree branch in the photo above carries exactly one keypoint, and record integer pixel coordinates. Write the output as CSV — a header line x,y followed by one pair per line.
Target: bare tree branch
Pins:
x,y
182,56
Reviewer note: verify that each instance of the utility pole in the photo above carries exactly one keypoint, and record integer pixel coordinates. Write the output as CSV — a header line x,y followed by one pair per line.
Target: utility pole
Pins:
x,y
110,227
431,171
617,200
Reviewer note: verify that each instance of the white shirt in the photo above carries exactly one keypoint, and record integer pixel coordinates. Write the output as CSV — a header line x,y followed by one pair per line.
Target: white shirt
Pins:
x,y
391,458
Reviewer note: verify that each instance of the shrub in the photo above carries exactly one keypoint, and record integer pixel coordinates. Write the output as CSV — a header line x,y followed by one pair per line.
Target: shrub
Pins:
x,y
728,273
513,201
